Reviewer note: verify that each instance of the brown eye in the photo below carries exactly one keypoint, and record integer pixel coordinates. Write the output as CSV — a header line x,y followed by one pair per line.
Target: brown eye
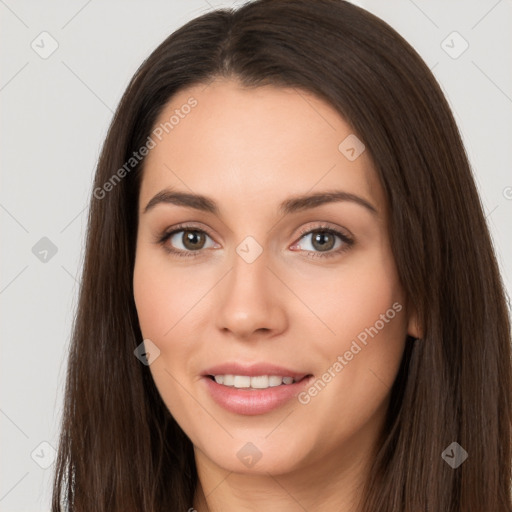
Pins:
x,y
323,240
193,240
186,241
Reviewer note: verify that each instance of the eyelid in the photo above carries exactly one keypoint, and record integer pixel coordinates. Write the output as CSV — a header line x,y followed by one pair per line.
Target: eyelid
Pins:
x,y
327,226
186,226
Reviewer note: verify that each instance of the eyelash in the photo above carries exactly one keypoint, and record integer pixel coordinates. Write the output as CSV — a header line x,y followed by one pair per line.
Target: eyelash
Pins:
x,y
347,241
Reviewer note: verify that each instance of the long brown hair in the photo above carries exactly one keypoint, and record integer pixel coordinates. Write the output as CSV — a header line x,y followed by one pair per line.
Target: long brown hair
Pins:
x,y
120,448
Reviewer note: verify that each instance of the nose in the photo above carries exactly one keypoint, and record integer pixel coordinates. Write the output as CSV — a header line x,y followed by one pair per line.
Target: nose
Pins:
x,y
251,300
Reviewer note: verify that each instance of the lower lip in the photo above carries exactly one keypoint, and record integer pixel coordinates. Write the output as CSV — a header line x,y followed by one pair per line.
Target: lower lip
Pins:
x,y
251,402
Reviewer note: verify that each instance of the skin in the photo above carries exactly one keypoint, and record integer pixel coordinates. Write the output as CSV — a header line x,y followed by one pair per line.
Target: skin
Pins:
x,y
248,150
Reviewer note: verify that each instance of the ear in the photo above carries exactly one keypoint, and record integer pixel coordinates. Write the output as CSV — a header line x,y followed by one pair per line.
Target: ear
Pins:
x,y
413,327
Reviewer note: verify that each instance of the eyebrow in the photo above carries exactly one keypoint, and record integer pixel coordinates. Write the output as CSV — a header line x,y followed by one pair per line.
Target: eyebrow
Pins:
x,y
287,207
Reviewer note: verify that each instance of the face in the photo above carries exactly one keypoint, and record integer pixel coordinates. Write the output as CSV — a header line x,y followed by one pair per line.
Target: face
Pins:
x,y
259,286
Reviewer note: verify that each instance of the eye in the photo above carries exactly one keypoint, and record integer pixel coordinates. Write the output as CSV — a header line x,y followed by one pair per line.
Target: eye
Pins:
x,y
323,242
185,241
191,240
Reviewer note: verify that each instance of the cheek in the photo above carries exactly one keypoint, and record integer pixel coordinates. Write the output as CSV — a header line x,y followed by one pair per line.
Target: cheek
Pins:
x,y
351,396
364,306
162,299
351,299
172,308
162,294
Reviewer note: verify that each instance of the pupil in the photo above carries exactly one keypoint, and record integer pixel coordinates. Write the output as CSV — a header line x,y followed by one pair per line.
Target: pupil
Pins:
x,y
320,238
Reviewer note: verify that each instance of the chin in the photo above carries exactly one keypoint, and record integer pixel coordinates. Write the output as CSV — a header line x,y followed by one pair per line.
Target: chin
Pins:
x,y
255,455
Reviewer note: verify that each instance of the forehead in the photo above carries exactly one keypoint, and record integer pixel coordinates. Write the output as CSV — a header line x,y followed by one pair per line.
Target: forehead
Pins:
x,y
253,145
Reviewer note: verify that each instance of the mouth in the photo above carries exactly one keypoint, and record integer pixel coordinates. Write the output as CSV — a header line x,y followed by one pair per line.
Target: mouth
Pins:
x,y
253,390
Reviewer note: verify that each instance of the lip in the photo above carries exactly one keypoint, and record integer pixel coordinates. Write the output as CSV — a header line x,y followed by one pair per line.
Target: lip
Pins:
x,y
251,402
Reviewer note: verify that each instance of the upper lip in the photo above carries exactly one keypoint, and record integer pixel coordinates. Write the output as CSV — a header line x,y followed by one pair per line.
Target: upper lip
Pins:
x,y
253,370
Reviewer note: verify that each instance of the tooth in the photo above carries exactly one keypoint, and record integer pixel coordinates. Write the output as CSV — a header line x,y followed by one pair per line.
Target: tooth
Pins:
x,y
257,382
260,382
242,381
274,380
229,380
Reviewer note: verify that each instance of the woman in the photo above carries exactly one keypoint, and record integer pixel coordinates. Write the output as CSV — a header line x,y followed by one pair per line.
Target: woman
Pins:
x,y
290,299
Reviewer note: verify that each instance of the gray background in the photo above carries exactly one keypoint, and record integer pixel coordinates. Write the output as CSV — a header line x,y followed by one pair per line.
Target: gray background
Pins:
x,y
54,117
